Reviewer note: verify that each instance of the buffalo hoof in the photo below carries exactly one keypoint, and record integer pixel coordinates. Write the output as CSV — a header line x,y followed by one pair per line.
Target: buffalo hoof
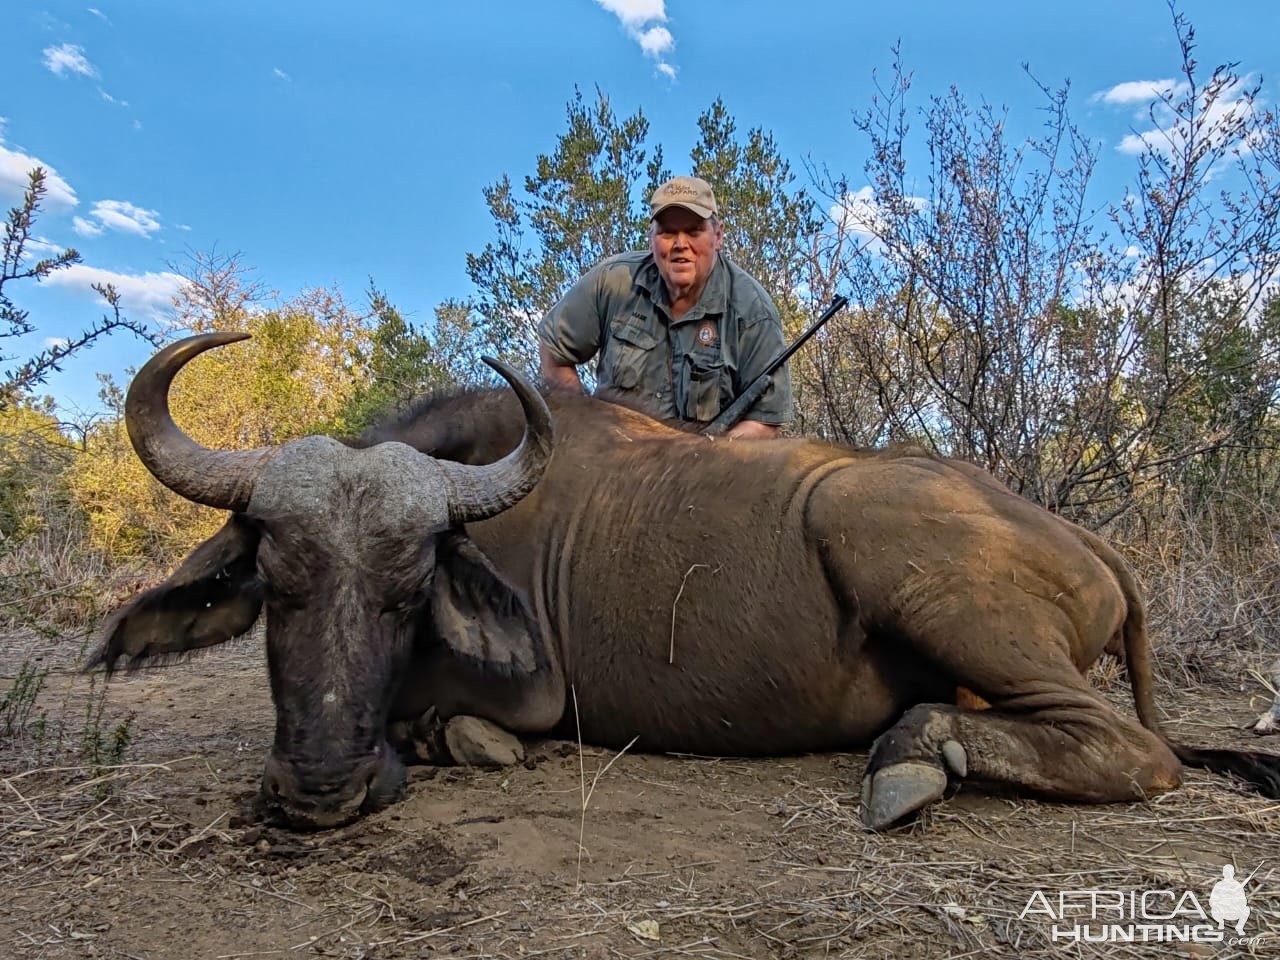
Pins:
x,y
474,742
899,790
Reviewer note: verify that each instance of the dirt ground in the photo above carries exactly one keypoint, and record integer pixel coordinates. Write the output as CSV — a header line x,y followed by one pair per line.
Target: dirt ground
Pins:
x,y
672,856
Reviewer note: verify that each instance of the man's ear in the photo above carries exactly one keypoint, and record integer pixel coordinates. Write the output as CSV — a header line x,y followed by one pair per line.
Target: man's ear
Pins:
x,y
213,596
480,616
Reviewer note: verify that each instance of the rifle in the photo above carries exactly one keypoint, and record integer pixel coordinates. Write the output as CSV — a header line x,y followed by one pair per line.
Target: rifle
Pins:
x,y
730,415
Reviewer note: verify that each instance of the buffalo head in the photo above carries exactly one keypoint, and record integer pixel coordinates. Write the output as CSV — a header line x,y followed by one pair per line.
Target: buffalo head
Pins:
x,y
341,548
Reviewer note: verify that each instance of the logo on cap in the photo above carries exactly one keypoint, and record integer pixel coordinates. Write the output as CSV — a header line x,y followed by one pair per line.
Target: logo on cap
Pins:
x,y
692,193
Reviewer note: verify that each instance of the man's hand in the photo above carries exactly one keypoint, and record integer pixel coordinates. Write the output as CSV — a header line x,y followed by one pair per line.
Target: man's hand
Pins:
x,y
752,430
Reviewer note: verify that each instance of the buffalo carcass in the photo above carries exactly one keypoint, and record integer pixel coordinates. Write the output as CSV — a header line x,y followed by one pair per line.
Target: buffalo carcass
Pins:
x,y
715,597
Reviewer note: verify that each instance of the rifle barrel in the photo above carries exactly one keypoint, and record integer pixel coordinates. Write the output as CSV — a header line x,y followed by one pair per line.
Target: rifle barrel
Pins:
x,y
730,415
838,304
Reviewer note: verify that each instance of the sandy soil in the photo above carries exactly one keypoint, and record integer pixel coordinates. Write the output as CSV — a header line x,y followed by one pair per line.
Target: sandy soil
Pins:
x,y
672,856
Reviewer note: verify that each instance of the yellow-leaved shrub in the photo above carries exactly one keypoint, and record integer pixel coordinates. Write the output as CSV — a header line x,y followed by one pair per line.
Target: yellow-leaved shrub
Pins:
x,y
32,454
290,379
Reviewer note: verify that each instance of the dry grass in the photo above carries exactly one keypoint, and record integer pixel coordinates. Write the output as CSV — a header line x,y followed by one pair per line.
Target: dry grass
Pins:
x,y
799,878
52,584
1212,588
588,792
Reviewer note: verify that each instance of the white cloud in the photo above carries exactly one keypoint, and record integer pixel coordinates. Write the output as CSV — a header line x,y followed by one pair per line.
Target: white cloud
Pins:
x,y
643,20
39,248
1140,91
14,168
1136,143
86,228
51,343
147,296
282,75
1170,133
859,216
656,41
635,13
68,58
857,213
110,99
49,23
99,14
121,216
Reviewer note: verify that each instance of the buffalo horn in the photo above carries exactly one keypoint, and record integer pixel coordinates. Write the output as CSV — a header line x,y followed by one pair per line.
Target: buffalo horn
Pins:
x,y
215,478
480,492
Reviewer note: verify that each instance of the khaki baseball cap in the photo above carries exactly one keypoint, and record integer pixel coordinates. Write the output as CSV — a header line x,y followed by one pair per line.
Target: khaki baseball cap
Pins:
x,y
688,192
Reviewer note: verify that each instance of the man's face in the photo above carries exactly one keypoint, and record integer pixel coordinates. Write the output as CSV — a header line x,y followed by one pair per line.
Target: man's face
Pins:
x,y
684,247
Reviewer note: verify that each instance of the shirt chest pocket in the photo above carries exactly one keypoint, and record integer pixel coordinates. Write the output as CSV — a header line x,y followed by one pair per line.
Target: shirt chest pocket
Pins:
x,y
706,385
631,349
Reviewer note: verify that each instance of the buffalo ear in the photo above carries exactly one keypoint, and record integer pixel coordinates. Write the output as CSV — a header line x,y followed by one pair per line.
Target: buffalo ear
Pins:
x,y
213,596
479,615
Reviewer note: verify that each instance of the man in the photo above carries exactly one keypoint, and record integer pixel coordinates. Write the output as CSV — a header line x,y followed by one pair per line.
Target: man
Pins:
x,y
679,331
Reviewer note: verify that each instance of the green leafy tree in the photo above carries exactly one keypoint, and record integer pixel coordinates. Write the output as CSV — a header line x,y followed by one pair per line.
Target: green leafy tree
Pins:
x,y
400,362
582,204
459,343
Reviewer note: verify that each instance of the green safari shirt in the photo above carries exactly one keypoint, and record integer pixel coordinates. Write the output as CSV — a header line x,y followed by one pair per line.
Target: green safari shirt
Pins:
x,y
688,369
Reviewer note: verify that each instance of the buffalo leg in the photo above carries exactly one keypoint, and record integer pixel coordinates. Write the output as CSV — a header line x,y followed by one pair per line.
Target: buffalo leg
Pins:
x,y
1008,604
1078,749
447,711
1047,733
476,742
463,740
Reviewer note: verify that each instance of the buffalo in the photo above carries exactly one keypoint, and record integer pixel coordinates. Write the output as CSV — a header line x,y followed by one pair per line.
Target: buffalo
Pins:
x,y
707,596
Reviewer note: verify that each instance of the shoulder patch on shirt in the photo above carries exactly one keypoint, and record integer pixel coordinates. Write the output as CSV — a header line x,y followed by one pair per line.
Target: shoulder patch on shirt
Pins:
x,y
708,333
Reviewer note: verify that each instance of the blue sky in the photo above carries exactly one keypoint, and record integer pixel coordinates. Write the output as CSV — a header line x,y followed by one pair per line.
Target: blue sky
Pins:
x,y
329,143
